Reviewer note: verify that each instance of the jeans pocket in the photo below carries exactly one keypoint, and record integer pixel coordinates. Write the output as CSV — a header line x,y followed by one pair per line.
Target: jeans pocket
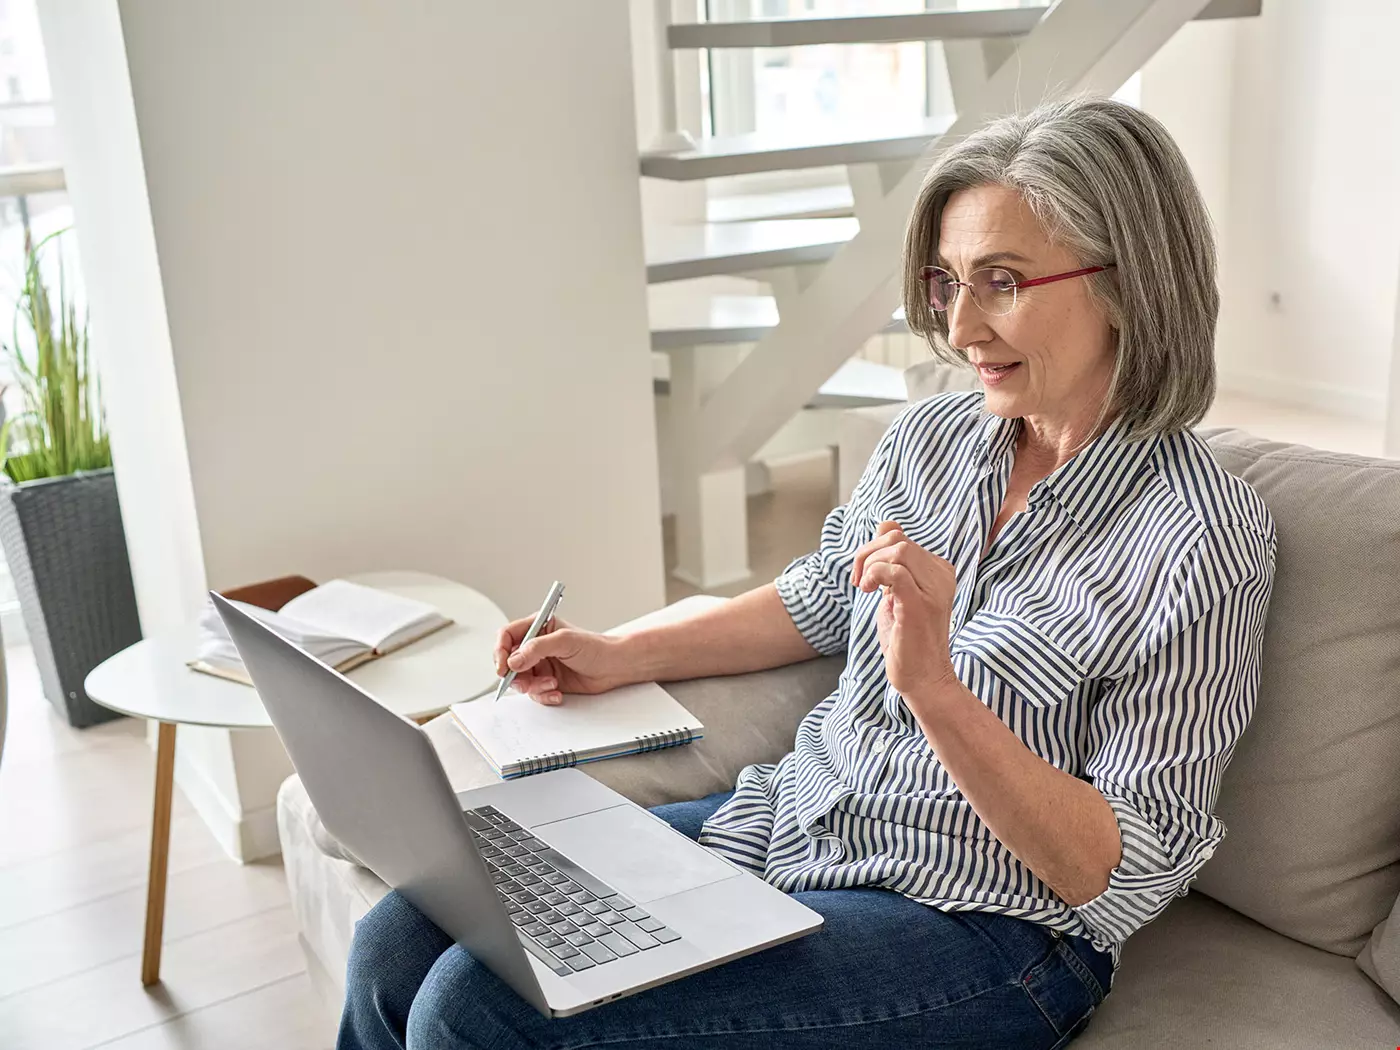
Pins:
x,y
1063,989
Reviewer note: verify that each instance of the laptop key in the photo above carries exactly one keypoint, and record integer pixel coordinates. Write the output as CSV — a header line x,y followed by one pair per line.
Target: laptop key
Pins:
x,y
599,953
581,897
618,944
549,918
568,908
569,887
576,873
559,966
617,902
536,907
635,914
516,851
563,927
666,935
581,962
564,949
536,845
522,918
556,898
508,887
595,907
636,935
578,938
512,908
528,879
514,869
595,928
554,878
536,929
612,918
551,940
539,867
476,821
499,877
651,925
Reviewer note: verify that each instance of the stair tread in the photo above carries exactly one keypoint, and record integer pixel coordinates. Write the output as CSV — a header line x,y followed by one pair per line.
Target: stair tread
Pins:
x,y
858,383
1002,21
674,253
693,319
784,151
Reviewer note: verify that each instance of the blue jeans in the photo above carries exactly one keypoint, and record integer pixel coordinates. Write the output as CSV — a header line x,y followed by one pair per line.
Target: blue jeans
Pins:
x,y
884,971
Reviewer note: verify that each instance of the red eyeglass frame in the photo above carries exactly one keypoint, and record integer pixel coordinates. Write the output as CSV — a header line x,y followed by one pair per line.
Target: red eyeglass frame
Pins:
x,y
926,273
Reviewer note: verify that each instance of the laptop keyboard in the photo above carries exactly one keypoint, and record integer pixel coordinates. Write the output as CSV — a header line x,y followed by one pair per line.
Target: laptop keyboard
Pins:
x,y
565,917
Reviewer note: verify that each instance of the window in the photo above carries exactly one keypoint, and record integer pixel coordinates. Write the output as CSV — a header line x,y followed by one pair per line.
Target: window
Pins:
x,y
32,199
807,92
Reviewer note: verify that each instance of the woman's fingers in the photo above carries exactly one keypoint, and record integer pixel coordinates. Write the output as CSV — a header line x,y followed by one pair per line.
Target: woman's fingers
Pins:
x,y
886,534
509,637
898,555
890,574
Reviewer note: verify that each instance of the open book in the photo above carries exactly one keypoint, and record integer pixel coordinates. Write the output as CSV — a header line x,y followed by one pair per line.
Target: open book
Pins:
x,y
340,623
518,736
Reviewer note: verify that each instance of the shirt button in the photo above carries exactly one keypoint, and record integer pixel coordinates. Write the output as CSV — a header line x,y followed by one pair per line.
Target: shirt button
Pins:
x,y
879,746
1208,852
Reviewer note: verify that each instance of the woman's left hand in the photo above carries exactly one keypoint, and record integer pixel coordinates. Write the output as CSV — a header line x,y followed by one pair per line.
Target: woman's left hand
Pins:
x,y
914,614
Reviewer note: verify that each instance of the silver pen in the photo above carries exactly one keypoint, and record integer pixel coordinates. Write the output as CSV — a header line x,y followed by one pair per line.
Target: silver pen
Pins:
x,y
551,601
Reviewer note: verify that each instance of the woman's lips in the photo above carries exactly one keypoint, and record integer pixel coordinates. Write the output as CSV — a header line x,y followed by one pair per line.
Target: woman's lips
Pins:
x,y
991,375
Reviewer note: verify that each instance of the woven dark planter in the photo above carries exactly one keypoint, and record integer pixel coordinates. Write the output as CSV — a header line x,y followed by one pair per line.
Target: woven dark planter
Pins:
x,y
66,548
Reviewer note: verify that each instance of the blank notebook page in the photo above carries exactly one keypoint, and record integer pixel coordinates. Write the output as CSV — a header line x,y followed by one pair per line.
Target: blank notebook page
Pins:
x,y
518,728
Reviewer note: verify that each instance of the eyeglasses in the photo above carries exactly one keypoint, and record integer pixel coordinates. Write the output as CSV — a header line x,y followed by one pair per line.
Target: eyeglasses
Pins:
x,y
992,288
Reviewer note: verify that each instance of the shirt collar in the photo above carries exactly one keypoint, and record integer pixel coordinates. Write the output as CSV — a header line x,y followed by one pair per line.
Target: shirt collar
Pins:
x,y
1092,483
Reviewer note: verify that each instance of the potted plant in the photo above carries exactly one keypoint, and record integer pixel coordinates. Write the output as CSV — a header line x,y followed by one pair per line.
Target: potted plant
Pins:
x,y
60,522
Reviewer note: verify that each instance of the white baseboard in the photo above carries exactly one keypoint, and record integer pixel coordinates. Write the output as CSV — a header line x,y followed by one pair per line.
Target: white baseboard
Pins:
x,y
245,837
1364,405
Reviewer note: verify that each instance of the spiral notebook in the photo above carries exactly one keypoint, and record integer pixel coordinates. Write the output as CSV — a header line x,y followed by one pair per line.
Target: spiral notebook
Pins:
x,y
518,736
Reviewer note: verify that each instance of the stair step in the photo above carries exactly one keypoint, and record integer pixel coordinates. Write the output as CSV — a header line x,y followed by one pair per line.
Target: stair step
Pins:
x,y
679,321
881,29
767,151
675,253
857,384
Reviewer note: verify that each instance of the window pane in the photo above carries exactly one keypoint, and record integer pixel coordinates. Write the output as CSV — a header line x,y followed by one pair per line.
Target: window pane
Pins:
x,y
808,91
26,115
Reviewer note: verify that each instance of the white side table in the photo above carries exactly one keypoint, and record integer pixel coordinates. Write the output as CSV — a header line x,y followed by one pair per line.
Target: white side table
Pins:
x,y
150,680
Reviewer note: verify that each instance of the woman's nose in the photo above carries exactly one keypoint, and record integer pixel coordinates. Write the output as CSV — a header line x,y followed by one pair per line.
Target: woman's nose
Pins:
x,y
967,324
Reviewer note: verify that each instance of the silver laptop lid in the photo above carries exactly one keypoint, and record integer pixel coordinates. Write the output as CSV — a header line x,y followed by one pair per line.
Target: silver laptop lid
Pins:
x,y
380,789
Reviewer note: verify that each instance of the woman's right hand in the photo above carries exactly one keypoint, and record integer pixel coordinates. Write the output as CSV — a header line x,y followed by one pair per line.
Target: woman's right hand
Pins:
x,y
560,659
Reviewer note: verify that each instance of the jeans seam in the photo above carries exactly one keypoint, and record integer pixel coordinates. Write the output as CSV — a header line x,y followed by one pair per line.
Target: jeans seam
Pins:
x,y
787,1028
1081,968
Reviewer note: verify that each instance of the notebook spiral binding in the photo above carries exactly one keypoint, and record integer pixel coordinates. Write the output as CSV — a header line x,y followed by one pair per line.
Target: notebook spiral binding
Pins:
x,y
564,759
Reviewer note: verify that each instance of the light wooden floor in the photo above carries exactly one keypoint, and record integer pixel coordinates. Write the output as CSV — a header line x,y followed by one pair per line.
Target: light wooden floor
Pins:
x,y
75,811
74,826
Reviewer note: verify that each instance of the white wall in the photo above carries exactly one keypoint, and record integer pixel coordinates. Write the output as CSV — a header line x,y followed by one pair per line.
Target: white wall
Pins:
x,y
1310,307
399,311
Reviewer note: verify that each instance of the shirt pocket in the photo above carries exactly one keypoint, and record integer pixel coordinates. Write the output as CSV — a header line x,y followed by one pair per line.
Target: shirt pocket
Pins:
x,y
1019,655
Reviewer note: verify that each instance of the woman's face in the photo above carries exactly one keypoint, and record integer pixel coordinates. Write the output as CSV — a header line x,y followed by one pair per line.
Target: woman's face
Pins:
x,y
1056,340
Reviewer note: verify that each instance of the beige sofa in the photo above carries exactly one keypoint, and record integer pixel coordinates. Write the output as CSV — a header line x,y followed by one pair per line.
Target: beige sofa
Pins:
x,y
1264,951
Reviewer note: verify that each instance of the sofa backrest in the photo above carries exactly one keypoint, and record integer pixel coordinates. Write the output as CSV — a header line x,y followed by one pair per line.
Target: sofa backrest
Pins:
x,y
1311,798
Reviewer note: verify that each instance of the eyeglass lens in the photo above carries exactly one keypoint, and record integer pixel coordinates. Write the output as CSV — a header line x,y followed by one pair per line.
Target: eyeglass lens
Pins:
x,y
993,289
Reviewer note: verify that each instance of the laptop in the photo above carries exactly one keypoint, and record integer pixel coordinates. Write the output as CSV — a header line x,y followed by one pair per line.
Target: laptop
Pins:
x,y
568,892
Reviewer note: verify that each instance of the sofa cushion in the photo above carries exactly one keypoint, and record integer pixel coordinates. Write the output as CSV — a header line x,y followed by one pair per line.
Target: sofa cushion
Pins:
x,y
1380,959
1201,975
935,377
1311,797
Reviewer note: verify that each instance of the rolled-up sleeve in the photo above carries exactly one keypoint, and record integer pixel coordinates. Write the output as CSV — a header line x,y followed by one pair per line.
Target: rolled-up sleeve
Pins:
x,y
816,588
1161,736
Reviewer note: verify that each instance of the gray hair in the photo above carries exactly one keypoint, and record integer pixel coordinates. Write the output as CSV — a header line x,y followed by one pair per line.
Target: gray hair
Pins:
x,y
1106,181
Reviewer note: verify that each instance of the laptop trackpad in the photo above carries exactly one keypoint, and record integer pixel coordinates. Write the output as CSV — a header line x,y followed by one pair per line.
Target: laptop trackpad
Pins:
x,y
635,853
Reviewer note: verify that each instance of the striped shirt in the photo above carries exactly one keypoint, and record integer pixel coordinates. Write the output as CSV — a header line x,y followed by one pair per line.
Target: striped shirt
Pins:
x,y
1115,627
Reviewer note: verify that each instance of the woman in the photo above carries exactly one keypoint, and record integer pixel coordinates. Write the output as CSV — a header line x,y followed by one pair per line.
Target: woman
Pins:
x,y
1051,602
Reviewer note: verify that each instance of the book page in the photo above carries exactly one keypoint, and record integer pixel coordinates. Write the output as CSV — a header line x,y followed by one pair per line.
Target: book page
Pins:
x,y
517,727
365,614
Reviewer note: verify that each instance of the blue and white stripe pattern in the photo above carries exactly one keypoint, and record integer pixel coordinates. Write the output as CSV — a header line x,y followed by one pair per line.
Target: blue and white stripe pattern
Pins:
x,y
1115,627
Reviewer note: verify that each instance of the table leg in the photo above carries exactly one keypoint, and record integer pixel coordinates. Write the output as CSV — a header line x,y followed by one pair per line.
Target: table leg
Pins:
x,y
160,853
